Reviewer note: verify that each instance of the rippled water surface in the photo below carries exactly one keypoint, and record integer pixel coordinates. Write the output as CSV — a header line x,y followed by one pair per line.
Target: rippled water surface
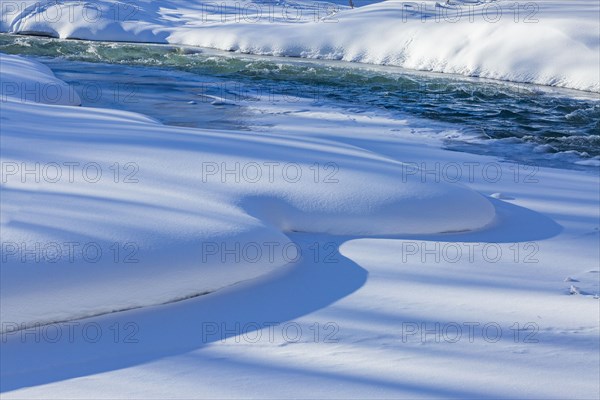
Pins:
x,y
196,87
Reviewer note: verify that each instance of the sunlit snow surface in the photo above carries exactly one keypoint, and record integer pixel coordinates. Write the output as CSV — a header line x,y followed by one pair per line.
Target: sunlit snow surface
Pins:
x,y
393,253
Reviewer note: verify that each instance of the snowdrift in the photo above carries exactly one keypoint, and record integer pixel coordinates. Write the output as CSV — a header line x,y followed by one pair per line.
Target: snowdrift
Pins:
x,y
27,81
104,210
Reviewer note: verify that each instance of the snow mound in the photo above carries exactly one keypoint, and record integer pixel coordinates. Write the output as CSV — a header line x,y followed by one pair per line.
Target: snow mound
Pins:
x,y
548,42
104,210
26,81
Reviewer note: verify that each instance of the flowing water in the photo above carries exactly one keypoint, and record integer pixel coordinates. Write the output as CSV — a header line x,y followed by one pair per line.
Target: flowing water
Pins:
x,y
202,88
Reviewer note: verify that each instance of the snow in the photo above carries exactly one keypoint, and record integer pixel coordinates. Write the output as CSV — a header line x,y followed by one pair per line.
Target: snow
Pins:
x,y
549,42
26,81
389,255
205,191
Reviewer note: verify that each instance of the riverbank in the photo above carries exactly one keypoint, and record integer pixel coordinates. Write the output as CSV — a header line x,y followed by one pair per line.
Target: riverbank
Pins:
x,y
547,42
374,262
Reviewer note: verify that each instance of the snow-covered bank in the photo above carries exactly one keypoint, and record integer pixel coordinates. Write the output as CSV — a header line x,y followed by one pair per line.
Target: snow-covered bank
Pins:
x,y
117,211
357,317
548,42
27,81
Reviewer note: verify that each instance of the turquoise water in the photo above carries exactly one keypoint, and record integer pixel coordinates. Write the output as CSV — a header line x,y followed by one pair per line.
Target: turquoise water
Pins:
x,y
200,88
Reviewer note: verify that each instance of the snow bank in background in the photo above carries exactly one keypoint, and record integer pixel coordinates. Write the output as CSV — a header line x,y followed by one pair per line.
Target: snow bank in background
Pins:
x,y
547,42
121,212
